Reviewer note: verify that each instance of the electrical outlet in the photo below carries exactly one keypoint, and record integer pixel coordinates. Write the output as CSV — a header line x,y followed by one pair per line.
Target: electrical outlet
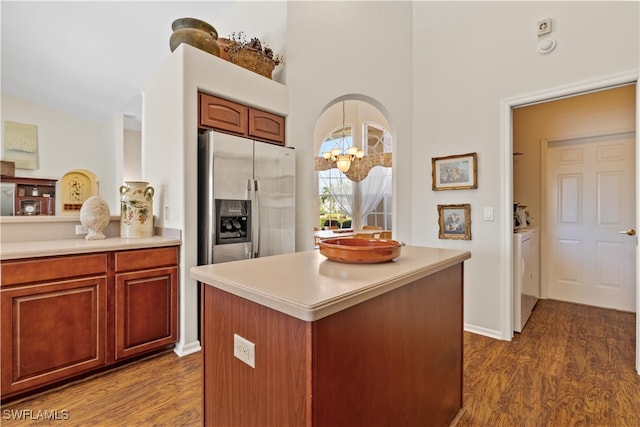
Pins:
x,y
81,229
244,350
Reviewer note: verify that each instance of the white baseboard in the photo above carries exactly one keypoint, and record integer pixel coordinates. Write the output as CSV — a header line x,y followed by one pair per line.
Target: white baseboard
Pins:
x,y
491,333
186,349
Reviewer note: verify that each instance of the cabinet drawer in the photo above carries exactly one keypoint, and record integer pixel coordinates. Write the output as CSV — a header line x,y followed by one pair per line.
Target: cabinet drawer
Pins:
x,y
146,258
45,269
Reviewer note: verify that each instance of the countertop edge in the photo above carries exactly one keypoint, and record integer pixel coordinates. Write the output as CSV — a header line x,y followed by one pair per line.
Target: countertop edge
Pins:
x,y
325,308
45,248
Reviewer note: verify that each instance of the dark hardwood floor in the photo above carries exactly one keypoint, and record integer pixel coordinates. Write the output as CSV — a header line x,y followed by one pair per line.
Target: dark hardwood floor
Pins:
x,y
572,366
164,390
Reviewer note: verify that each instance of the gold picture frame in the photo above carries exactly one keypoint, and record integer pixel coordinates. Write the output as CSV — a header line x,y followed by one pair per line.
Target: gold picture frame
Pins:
x,y
454,222
459,172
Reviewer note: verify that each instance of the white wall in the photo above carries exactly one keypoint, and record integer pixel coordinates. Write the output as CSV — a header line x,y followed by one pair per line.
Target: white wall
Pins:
x,y
66,143
468,57
353,50
170,137
132,155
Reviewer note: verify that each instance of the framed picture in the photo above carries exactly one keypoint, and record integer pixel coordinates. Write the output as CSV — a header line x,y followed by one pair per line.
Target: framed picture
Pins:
x,y
455,172
21,144
454,221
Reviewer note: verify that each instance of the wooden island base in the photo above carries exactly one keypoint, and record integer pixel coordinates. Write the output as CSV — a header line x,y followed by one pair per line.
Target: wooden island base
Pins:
x,y
392,360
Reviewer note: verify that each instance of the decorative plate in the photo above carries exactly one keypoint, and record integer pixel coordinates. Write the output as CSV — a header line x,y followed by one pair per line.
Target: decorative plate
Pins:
x,y
360,251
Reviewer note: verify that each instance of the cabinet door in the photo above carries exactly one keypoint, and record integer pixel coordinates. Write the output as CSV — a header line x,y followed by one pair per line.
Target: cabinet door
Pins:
x,y
52,331
221,114
266,126
146,311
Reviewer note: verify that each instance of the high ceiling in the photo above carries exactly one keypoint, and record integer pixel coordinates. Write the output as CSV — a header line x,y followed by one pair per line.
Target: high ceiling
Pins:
x,y
90,59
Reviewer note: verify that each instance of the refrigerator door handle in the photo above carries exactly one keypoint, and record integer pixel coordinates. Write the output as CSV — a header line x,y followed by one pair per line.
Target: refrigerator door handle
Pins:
x,y
249,253
256,216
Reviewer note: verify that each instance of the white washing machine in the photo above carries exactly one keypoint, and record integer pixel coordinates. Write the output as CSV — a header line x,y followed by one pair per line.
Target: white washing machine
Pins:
x,y
526,275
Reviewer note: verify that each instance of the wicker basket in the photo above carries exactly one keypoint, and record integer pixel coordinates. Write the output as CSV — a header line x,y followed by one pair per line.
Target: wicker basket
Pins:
x,y
253,60
7,168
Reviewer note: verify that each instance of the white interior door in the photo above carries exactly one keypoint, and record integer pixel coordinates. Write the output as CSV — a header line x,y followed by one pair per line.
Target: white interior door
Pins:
x,y
590,199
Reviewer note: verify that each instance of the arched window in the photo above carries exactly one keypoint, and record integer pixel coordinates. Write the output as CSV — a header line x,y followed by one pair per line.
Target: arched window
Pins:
x,y
345,200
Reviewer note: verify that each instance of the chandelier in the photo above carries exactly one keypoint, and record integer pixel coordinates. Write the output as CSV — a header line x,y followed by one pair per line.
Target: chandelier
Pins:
x,y
351,161
339,154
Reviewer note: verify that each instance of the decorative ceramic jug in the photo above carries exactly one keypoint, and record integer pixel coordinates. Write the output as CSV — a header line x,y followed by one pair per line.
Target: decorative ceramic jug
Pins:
x,y
136,201
196,33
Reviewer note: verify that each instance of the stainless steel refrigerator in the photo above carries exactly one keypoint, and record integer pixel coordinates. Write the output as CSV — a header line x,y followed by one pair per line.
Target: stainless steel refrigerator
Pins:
x,y
246,198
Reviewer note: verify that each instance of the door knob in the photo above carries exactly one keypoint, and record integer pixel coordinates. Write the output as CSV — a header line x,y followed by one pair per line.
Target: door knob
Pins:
x,y
630,232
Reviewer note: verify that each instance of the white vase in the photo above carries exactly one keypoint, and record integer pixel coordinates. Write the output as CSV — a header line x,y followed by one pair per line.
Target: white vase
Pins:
x,y
94,215
136,210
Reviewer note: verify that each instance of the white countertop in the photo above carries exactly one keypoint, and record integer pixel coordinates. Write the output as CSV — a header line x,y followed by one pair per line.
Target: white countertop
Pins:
x,y
308,286
41,248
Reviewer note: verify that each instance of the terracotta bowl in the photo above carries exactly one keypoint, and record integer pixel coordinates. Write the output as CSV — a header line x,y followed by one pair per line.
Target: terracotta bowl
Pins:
x,y
360,251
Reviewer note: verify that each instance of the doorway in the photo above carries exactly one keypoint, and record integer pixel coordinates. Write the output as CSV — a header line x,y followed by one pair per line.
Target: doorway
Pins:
x,y
525,183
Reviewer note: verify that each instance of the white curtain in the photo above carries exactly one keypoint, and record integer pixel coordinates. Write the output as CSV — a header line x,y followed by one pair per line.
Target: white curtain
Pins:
x,y
340,188
371,190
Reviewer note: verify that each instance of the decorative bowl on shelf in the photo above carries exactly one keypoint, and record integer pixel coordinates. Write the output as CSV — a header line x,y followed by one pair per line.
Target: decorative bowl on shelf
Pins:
x,y
360,251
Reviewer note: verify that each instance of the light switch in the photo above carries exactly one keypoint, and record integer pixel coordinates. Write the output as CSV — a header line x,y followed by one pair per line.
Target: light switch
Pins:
x,y
488,214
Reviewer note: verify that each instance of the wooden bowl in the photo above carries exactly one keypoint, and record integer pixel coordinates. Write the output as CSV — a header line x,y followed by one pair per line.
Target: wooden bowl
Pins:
x,y
360,251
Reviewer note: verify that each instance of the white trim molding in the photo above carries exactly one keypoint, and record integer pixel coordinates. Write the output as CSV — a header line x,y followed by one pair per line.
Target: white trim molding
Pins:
x,y
506,107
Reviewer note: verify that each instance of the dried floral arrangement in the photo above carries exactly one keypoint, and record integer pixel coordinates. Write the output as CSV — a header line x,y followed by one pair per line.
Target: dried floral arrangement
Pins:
x,y
239,42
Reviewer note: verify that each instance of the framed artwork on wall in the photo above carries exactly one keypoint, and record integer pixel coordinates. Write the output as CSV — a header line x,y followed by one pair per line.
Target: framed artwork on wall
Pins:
x,y
454,222
459,172
21,144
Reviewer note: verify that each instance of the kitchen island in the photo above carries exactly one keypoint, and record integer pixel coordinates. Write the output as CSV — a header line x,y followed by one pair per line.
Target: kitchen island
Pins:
x,y
334,344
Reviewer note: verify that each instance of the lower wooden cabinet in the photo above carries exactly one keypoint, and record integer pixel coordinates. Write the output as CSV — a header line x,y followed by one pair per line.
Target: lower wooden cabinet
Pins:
x,y
69,315
146,309
51,331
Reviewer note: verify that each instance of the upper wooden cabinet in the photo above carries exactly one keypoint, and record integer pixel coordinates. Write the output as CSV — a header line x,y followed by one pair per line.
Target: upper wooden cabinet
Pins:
x,y
266,126
221,114
228,116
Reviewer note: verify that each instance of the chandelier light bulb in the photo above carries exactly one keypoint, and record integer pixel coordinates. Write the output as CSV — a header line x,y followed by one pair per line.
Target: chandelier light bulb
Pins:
x,y
343,163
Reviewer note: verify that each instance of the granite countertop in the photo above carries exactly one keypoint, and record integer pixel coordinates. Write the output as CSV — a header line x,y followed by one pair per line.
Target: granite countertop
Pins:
x,y
34,249
308,286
